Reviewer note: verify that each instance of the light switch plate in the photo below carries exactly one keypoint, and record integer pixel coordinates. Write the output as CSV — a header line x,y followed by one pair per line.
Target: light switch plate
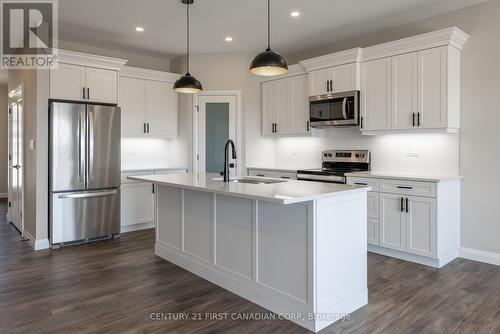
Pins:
x,y
31,144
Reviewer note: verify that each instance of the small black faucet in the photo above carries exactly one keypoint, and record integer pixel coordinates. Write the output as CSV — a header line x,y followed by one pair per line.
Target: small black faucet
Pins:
x,y
226,159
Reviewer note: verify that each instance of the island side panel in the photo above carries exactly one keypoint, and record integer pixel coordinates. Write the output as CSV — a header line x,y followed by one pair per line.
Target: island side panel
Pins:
x,y
169,216
341,257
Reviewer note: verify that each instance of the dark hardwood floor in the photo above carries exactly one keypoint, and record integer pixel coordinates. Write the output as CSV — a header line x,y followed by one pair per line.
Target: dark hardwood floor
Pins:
x,y
114,287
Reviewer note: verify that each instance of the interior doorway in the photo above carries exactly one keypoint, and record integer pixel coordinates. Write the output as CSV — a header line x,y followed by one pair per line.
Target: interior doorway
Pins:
x,y
217,119
15,159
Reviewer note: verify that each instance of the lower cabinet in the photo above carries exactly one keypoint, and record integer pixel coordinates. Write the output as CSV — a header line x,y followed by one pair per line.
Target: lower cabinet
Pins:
x,y
137,206
278,174
414,221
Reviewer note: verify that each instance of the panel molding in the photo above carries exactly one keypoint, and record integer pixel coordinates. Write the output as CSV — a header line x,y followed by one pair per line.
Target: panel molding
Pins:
x,y
90,60
331,60
145,74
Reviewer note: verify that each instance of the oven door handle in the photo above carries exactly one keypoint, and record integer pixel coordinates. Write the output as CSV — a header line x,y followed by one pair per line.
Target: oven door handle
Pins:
x,y
344,107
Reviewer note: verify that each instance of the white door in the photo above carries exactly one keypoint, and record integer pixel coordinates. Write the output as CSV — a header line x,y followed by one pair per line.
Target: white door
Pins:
x,y
344,78
67,82
15,191
319,81
101,85
299,105
376,88
133,106
421,226
161,109
392,222
432,87
269,107
137,203
404,91
216,124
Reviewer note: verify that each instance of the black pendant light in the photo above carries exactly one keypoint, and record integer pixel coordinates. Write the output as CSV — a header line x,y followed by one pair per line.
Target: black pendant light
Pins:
x,y
269,63
188,84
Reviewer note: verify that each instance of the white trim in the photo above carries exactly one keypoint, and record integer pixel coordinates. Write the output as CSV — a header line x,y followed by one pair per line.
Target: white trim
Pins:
x,y
142,73
451,36
334,59
293,71
480,255
239,133
4,195
37,245
91,60
137,227
392,131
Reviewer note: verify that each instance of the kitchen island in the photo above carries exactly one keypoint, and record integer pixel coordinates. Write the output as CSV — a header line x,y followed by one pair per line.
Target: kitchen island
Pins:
x,y
296,248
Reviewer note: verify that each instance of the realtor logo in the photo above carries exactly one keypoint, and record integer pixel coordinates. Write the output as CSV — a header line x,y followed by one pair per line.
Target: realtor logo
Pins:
x,y
29,30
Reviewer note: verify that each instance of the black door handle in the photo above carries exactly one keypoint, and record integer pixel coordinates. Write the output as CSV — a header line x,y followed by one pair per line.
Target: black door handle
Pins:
x,y
144,128
83,94
418,119
148,127
413,117
402,204
404,187
88,93
407,205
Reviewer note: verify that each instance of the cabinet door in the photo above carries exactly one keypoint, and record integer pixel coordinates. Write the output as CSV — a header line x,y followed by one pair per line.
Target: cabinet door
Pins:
x,y
133,105
102,85
283,95
373,232
137,203
421,226
392,222
432,82
67,82
299,105
318,81
161,109
404,91
269,107
373,205
344,78
376,83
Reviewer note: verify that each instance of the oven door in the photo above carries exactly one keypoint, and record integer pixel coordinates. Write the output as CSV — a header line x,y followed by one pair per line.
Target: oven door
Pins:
x,y
335,109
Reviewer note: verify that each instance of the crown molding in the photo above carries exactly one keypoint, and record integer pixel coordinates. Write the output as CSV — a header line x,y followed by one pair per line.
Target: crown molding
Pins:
x,y
141,73
451,36
334,59
91,60
293,71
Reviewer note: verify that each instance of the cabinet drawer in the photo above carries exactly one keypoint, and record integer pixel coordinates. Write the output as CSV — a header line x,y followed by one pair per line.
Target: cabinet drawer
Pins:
x,y
426,189
286,175
262,173
364,181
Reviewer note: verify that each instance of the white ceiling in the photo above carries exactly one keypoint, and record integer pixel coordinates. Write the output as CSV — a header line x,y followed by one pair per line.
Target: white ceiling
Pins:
x,y
111,23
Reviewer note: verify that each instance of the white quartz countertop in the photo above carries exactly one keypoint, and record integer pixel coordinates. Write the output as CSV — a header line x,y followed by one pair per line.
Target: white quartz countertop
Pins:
x,y
288,192
405,176
130,170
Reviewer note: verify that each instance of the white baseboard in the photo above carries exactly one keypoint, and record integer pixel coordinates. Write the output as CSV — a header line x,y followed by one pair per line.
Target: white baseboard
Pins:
x,y
37,245
480,255
4,195
137,227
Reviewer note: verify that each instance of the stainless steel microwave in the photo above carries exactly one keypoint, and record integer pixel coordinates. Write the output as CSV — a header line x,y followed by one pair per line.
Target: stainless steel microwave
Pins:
x,y
340,109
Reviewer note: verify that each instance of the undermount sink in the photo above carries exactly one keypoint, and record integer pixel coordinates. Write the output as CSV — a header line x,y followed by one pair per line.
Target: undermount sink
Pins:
x,y
251,181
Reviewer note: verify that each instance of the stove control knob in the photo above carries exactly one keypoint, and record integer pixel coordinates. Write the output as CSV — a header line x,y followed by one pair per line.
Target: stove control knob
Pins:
x,y
330,155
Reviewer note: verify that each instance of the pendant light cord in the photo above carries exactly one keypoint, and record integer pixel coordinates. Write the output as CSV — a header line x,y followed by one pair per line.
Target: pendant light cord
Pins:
x,y
269,25
187,39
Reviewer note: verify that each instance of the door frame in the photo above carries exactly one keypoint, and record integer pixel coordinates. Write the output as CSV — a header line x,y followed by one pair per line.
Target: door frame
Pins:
x,y
16,95
238,122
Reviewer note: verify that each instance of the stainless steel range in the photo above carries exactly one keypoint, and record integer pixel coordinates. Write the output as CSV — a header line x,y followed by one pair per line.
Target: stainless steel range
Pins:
x,y
337,163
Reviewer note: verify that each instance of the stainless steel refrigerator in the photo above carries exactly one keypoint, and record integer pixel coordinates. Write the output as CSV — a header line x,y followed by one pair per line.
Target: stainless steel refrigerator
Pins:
x,y
84,172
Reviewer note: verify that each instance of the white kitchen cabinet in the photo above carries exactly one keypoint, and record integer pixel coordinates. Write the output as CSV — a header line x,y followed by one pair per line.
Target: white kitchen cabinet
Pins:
x,y
137,199
101,85
404,91
335,79
82,83
133,105
421,226
285,108
275,173
376,94
149,108
373,232
392,222
67,82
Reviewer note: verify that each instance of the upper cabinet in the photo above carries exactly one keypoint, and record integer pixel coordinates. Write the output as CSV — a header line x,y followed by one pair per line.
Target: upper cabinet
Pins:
x,y
285,109
148,102
87,78
413,84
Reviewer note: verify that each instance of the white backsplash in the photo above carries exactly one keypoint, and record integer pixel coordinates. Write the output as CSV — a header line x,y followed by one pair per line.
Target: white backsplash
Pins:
x,y
417,153
144,153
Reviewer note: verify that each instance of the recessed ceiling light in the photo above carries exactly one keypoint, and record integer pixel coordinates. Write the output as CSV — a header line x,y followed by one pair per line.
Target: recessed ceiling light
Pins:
x,y
295,14
139,29
228,39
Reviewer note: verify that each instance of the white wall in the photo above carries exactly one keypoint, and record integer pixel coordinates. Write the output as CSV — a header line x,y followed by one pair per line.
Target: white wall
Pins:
x,y
152,153
3,140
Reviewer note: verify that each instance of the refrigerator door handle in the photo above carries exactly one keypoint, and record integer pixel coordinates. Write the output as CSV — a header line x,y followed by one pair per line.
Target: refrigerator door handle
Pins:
x,y
91,146
89,194
81,141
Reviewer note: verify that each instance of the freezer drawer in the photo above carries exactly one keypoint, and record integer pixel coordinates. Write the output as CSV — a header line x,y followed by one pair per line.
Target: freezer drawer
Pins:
x,y
83,215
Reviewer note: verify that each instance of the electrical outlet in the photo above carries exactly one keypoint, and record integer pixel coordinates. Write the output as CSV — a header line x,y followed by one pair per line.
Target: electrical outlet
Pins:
x,y
31,144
